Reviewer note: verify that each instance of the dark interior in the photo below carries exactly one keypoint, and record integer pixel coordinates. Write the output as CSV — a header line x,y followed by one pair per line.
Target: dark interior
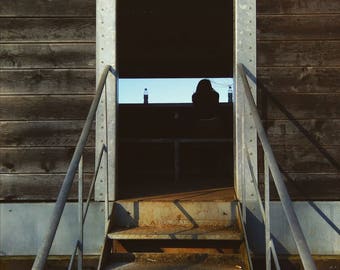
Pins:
x,y
147,157
174,39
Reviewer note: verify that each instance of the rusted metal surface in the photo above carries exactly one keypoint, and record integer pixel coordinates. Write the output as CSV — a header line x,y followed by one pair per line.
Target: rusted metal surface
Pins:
x,y
179,227
178,232
215,207
171,266
179,261
218,194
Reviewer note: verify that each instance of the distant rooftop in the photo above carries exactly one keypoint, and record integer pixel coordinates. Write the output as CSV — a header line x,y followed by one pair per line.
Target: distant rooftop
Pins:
x,y
176,90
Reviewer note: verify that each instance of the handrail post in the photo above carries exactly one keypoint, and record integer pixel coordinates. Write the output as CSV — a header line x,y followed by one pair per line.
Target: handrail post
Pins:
x,y
243,167
267,212
80,214
106,156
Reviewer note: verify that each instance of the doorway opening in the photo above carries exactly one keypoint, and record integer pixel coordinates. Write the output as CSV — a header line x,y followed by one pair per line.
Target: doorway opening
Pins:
x,y
162,147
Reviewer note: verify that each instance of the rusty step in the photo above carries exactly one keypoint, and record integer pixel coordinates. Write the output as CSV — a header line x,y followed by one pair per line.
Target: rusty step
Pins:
x,y
177,233
214,207
193,230
163,261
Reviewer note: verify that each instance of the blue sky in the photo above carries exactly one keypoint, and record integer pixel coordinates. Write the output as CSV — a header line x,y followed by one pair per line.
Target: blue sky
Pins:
x,y
176,90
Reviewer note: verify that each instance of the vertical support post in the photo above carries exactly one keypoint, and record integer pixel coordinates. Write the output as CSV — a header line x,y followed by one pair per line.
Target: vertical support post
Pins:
x,y
244,52
243,181
106,113
267,213
80,214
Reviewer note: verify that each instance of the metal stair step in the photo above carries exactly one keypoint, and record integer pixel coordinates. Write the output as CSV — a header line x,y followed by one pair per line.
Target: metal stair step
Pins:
x,y
177,232
163,261
213,207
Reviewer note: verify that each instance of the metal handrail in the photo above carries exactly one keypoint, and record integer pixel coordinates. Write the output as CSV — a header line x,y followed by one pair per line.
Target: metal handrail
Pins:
x,y
286,202
83,214
44,249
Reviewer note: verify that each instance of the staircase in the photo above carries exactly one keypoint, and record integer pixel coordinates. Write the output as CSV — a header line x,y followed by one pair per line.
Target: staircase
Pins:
x,y
194,230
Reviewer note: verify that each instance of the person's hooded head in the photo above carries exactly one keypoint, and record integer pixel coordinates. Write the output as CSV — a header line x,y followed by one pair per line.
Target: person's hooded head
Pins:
x,y
204,86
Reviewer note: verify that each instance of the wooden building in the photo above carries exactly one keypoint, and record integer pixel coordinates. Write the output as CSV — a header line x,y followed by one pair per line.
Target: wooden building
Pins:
x,y
48,79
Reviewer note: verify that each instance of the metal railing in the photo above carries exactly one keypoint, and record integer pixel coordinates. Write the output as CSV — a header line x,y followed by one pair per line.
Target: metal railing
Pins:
x,y
270,168
76,164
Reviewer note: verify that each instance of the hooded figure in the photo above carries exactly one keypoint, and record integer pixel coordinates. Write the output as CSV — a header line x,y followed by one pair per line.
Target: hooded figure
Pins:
x,y
205,100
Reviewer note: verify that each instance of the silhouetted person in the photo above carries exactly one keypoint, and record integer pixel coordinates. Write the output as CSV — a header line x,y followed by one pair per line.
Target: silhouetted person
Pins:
x,y
205,100
206,125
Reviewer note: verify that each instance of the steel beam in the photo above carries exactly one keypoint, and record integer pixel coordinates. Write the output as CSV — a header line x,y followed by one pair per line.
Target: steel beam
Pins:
x,y
244,52
106,114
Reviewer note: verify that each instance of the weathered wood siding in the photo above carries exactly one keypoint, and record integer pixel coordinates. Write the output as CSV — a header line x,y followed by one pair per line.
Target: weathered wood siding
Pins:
x,y
299,65
47,81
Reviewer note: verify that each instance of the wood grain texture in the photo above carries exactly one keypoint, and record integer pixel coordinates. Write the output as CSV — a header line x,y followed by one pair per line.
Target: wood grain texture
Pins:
x,y
50,133
308,187
45,107
37,187
298,64
303,106
42,8
286,27
297,6
46,81
325,131
298,53
304,159
300,80
47,30
41,160
14,56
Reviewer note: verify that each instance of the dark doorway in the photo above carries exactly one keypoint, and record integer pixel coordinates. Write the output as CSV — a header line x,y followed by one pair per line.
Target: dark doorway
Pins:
x,y
173,39
160,147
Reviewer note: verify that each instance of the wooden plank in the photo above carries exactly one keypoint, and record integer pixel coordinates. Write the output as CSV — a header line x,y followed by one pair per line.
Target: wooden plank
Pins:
x,y
81,55
284,132
302,106
300,80
286,27
42,8
41,160
297,6
50,133
44,107
298,53
37,187
305,159
47,29
308,186
55,81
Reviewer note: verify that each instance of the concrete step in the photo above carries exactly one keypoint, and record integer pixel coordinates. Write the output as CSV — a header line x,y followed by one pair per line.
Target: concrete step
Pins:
x,y
200,208
177,232
163,261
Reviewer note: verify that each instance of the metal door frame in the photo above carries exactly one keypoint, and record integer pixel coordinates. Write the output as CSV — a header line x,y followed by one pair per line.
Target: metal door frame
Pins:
x,y
244,130
244,52
106,113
